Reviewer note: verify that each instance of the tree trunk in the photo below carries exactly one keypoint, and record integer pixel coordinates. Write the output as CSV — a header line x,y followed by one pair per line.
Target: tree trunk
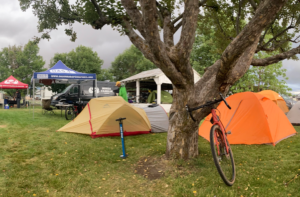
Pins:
x,y
183,131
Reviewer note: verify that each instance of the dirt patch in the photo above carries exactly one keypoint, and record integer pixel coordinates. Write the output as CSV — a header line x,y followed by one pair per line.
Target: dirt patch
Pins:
x,y
151,168
3,126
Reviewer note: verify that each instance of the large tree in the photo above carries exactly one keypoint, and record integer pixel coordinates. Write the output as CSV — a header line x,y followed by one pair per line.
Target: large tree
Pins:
x,y
142,21
21,62
106,74
129,63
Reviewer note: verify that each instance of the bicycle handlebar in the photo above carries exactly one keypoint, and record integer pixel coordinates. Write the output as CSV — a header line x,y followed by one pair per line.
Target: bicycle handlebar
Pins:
x,y
225,101
207,104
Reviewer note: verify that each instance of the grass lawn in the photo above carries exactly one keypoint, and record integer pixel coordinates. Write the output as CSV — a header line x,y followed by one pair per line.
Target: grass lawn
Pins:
x,y
38,161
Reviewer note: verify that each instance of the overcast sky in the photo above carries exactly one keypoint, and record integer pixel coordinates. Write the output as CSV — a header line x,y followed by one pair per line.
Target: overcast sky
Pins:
x,y
18,27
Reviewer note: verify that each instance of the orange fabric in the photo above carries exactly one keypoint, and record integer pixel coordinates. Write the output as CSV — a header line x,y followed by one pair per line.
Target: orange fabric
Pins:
x,y
274,96
253,119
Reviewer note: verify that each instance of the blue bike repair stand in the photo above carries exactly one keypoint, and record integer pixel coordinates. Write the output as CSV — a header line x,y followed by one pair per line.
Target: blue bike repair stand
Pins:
x,y
122,137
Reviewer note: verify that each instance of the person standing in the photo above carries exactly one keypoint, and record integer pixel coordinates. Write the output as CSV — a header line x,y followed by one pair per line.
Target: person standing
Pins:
x,y
18,98
122,91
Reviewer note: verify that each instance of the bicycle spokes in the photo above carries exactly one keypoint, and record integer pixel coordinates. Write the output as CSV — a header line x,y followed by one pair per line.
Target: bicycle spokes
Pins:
x,y
222,155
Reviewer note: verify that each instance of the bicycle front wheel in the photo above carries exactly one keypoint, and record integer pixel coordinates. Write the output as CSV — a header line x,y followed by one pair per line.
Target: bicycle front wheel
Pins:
x,y
223,160
69,113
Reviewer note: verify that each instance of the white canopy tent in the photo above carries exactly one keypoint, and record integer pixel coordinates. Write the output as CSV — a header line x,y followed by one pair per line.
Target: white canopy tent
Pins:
x,y
159,78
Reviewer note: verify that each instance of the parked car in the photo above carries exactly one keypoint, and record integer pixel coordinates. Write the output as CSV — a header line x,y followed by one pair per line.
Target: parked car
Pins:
x,y
84,91
289,102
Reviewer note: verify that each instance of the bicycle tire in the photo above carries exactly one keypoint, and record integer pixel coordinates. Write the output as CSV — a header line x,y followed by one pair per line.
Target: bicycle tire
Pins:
x,y
228,178
69,113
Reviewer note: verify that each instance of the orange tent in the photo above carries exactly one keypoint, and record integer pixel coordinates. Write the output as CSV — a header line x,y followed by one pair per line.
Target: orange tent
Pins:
x,y
253,119
276,98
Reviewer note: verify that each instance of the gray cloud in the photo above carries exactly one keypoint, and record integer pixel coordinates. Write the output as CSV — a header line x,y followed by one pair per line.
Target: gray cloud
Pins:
x,y
293,73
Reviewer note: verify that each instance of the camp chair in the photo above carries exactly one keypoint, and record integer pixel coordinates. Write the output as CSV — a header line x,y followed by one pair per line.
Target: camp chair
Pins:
x,y
46,108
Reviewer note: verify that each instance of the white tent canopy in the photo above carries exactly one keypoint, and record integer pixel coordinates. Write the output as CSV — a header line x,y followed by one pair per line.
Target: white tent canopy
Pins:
x,y
158,76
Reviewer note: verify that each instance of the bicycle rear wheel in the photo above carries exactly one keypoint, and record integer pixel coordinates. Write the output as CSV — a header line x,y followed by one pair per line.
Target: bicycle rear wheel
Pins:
x,y
224,161
69,113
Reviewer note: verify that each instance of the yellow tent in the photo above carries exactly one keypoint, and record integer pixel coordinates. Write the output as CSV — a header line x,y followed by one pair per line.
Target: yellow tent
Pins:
x,y
276,98
98,118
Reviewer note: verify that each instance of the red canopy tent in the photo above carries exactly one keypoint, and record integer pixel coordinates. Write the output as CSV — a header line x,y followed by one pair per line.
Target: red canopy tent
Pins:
x,y
12,83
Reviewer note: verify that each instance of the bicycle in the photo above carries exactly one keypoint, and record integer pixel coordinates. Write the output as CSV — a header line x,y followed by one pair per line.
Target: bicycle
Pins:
x,y
220,147
72,111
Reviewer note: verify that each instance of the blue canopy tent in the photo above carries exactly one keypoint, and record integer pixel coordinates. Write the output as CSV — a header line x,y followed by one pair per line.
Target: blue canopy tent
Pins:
x,y
61,74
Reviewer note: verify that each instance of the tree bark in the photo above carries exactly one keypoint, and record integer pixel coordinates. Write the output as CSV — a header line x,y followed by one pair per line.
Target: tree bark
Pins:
x,y
182,136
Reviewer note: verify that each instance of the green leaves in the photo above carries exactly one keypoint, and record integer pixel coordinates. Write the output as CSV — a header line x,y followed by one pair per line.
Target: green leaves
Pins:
x,y
205,51
82,59
21,62
130,62
256,79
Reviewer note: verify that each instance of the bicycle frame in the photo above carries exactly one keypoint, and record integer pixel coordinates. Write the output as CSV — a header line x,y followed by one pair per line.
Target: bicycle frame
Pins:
x,y
218,122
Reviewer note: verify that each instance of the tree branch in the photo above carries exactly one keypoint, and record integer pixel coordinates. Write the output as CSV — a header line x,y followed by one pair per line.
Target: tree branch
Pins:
x,y
237,24
150,18
253,4
275,46
221,29
264,49
282,32
97,8
242,64
152,47
295,40
265,33
168,31
102,19
167,26
160,12
177,19
189,25
177,27
201,3
276,58
267,10
138,41
135,15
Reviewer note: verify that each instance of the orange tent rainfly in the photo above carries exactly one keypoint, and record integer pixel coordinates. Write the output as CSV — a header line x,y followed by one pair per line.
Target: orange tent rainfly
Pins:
x,y
276,98
98,118
253,119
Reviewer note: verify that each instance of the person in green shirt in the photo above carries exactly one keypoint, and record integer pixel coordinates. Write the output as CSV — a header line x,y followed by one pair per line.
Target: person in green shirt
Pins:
x,y
122,91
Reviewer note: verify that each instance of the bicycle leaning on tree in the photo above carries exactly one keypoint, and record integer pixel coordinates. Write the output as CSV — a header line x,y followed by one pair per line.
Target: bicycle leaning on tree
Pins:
x,y
219,144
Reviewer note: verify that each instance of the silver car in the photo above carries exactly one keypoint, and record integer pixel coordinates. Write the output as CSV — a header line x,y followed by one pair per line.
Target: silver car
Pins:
x,y
289,102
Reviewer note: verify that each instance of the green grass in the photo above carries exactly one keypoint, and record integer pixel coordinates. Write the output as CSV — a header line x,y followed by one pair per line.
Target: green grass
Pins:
x,y
38,161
